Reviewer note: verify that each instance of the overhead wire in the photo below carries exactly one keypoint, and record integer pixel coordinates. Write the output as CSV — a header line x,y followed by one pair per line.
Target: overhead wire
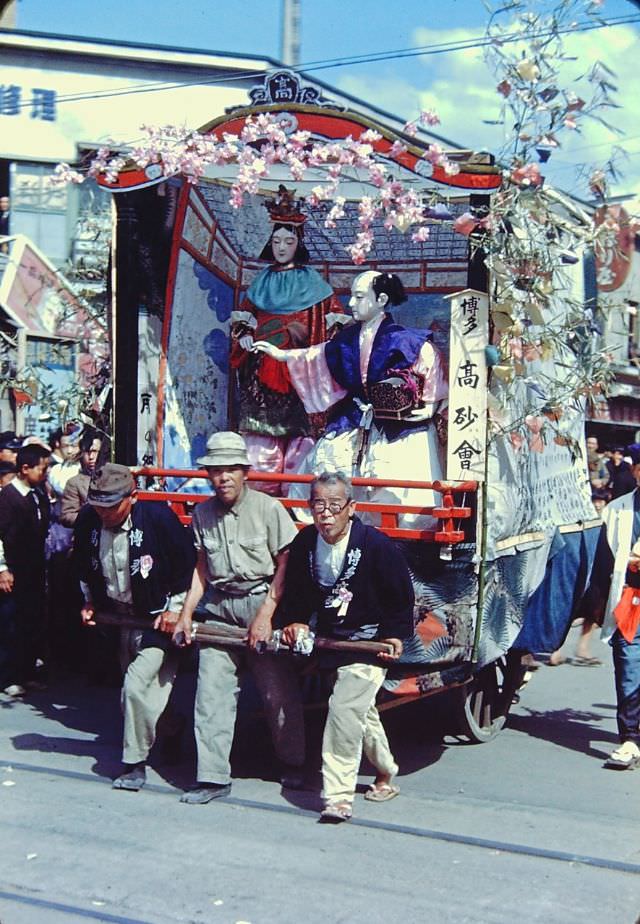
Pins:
x,y
347,61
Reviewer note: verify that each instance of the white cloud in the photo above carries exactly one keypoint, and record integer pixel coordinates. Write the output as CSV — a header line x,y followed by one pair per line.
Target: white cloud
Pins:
x,y
462,89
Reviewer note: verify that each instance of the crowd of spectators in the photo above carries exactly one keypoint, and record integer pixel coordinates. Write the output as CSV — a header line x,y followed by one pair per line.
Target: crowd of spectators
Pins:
x,y
39,596
75,546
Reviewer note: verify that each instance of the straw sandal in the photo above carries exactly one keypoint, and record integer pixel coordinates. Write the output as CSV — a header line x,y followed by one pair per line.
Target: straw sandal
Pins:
x,y
335,812
381,792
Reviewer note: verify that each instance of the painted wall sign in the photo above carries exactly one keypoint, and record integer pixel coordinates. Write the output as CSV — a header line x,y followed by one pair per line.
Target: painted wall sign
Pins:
x,y
36,103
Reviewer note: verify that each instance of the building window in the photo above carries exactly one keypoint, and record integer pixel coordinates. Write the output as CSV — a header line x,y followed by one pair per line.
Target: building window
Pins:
x,y
39,209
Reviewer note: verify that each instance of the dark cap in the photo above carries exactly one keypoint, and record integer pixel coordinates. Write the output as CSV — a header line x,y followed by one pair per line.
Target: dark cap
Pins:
x,y
110,484
634,454
7,468
8,440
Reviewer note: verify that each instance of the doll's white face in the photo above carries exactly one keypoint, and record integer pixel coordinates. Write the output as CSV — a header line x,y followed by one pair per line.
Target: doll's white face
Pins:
x,y
364,303
284,243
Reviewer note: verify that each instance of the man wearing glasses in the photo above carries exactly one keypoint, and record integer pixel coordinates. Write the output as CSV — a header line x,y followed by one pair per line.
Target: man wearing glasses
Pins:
x,y
347,581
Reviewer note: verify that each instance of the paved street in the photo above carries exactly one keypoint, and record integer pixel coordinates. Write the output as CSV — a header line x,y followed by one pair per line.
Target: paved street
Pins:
x,y
527,827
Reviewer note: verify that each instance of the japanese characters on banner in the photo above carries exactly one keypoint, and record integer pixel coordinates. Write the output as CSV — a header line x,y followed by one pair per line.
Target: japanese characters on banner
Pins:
x,y
466,438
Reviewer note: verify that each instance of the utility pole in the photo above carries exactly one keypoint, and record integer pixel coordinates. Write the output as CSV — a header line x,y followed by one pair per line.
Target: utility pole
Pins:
x,y
7,14
290,50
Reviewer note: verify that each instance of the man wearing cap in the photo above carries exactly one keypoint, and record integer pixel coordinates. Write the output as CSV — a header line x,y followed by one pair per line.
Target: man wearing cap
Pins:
x,y
242,539
135,560
24,521
9,446
7,474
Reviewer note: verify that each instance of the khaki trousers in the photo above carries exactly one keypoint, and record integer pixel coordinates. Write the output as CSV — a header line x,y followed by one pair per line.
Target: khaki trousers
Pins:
x,y
145,694
218,688
353,725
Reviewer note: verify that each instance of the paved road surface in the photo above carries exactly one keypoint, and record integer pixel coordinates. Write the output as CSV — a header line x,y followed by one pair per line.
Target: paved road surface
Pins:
x,y
528,827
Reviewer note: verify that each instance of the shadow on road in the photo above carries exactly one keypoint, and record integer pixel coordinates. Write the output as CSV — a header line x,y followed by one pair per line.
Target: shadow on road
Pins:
x,y
568,728
92,717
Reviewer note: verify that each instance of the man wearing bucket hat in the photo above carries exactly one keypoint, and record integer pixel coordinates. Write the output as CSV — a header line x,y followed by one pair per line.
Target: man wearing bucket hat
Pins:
x,y
135,560
242,539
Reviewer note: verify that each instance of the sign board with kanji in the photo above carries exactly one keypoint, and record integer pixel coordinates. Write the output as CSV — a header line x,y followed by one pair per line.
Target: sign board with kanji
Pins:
x,y
467,426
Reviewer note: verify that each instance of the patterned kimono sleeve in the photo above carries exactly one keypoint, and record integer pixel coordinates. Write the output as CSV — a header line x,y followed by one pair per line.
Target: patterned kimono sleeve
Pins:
x,y
312,380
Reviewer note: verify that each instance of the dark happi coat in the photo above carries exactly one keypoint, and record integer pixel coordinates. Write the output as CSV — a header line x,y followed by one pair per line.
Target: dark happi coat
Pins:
x,y
162,556
372,598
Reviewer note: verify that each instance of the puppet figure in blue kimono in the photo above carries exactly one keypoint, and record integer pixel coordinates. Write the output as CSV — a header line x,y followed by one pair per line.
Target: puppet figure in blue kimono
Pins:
x,y
288,304
381,384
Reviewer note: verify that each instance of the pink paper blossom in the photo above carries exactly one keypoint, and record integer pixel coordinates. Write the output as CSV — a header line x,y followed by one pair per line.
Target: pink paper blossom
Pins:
x,y
371,136
429,117
516,440
515,348
397,148
420,235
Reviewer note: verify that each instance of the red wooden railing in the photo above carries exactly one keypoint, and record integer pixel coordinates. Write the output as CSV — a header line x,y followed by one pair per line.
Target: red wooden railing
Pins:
x,y
448,513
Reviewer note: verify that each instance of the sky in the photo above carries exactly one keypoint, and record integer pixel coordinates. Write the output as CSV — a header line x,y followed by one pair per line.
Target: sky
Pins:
x,y
458,85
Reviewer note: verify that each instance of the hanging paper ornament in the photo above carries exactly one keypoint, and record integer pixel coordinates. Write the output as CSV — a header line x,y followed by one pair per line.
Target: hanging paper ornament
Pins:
x,y
503,372
501,320
532,352
534,310
568,257
465,223
439,212
492,355
401,222
574,103
527,175
548,94
535,426
528,70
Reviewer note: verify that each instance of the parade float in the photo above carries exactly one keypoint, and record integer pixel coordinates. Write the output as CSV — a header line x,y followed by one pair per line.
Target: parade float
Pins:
x,y
495,516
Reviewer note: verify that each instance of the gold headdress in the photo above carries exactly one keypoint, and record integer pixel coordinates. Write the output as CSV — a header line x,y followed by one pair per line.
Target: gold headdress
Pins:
x,y
285,209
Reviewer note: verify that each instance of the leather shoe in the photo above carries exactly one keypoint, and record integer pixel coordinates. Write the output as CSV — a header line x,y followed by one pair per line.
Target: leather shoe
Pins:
x,y
133,778
205,792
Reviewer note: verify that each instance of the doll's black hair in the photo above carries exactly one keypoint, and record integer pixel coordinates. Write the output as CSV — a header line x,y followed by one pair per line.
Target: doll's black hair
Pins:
x,y
300,257
391,285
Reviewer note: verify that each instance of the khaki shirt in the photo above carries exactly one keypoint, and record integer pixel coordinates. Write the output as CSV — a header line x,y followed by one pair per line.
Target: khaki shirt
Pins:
x,y
114,559
241,542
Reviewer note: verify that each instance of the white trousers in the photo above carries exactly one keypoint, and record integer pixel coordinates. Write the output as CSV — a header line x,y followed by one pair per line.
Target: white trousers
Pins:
x,y
353,726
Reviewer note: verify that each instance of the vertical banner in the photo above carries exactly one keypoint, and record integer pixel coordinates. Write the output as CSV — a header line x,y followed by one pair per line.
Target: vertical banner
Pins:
x,y
467,426
149,340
